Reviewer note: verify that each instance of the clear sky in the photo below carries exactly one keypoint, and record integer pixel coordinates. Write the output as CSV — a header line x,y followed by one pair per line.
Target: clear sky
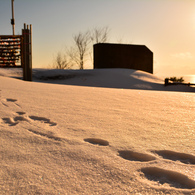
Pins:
x,y
166,27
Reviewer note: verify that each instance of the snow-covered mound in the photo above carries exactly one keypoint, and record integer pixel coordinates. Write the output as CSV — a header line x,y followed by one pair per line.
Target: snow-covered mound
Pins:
x,y
109,78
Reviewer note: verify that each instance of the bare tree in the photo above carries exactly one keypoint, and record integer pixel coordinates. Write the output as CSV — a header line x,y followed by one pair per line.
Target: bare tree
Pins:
x,y
77,53
99,35
80,49
61,62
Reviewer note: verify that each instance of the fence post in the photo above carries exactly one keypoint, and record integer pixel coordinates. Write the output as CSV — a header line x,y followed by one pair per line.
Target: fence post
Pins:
x,y
166,81
27,53
24,52
30,53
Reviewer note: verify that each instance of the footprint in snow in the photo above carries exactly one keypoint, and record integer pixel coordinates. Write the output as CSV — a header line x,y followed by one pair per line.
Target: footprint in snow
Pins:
x,y
8,100
167,177
97,141
21,113
43,119
11,100
14,121
135,156
176,156
162,177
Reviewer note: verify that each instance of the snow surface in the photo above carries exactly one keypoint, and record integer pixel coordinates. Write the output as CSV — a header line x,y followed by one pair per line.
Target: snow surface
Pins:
x,y
106,131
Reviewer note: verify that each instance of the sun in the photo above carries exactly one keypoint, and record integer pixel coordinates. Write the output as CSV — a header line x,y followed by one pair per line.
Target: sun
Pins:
x,y
193,80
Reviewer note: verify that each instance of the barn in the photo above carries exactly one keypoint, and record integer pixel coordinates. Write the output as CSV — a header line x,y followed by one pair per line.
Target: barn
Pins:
x,y
108,55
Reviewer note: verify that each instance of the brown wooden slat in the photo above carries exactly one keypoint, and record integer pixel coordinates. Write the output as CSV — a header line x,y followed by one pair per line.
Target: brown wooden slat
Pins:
x,y
9,49
1,46
9,55
9,52
10,36
7,63
11,66
8,60
4,50
9,41
11,62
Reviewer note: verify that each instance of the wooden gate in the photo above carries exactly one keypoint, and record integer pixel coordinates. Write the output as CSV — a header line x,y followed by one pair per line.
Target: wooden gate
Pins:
x,y
16,51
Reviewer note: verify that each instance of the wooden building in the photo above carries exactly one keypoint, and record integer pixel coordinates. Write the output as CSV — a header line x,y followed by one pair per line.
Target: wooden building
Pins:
x,y
138,57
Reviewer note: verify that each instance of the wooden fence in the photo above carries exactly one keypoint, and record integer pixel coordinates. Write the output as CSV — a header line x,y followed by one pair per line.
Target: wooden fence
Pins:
x,y
10,51
16,51
177,83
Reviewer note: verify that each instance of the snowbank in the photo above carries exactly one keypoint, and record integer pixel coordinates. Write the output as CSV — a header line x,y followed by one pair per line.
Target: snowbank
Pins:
x,y
107,78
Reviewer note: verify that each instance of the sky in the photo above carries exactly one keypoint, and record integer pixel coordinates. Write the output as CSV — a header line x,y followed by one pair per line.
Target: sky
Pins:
x,y
166,27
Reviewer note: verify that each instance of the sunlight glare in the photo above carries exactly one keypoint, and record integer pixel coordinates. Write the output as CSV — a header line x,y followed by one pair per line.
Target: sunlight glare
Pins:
x,y
193,80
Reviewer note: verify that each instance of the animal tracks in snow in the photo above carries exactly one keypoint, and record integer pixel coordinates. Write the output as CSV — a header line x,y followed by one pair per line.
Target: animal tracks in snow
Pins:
x,y
21,116
154,175
15,120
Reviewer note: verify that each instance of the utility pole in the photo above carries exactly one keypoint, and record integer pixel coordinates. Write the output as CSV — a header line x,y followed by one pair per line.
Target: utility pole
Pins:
x,y
13,20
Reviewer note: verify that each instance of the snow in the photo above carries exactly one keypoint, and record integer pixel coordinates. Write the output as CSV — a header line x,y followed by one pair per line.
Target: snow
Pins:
x,y
106,131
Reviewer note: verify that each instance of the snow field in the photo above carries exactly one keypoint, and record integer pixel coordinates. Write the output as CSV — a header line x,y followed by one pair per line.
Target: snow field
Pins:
x,y
64,138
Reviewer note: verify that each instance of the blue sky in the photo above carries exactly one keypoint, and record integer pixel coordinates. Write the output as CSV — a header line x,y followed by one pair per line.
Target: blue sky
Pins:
x,y
166,27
